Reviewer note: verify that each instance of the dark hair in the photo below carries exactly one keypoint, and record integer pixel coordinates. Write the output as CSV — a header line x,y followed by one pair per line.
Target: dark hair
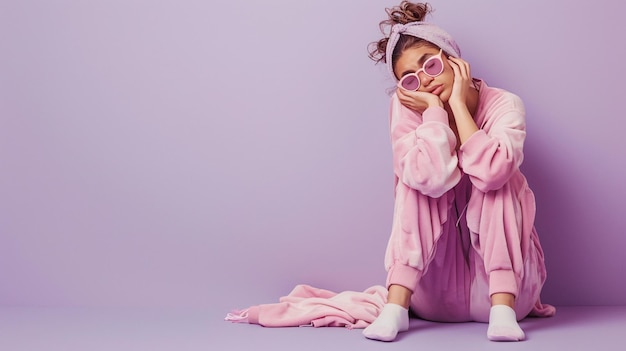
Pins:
x,y
402,14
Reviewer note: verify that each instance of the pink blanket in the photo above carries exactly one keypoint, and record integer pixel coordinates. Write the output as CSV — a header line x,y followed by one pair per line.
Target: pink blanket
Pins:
x,y
309,306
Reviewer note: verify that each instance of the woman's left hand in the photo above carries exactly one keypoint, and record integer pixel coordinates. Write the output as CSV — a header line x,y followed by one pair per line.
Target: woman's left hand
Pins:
x,y
462,80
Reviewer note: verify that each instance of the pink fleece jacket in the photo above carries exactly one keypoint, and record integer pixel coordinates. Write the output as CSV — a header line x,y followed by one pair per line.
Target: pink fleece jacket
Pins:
x,y
427,168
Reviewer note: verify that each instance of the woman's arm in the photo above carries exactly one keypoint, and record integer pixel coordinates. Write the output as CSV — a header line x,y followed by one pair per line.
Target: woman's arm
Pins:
x,y
492,154
424,153
458,101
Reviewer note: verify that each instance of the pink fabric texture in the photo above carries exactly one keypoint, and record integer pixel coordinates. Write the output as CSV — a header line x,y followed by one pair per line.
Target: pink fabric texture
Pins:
x,y
463,225
314,307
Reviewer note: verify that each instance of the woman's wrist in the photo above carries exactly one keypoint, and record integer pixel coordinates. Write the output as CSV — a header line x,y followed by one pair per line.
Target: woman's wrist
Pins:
x,y
457,105
435,103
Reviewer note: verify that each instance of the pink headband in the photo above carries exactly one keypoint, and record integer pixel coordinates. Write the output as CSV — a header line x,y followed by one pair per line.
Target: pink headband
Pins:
x,y
422,30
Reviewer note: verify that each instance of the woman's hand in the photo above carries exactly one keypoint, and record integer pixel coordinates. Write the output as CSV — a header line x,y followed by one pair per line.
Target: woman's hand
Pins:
x,y
462,80
418,100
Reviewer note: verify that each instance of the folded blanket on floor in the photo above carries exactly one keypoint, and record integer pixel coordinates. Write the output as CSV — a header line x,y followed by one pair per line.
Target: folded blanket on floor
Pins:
x,y
309,306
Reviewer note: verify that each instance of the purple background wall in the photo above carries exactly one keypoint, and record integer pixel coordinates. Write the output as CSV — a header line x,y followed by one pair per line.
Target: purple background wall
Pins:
x,y
194,153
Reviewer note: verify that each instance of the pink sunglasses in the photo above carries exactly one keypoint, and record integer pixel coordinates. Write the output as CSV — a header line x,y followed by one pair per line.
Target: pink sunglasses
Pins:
x,y
431,67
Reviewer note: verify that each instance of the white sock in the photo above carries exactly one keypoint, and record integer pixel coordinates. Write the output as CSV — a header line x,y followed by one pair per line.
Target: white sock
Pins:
x,y
391,320
503,325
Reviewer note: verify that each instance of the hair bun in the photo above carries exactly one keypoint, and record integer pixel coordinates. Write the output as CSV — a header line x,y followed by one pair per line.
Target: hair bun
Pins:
x,y
404,13
408,12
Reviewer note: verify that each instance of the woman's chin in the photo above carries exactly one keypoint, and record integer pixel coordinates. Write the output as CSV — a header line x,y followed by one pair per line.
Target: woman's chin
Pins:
x,y
444,96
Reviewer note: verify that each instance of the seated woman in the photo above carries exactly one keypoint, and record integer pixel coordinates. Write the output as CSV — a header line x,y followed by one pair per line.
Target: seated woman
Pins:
x,y
463,245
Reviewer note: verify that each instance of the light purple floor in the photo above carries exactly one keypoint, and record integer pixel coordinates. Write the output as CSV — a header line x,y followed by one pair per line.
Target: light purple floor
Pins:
x,y
573,328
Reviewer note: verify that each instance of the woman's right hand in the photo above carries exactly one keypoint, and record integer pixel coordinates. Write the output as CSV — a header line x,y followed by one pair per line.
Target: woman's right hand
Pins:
x,y
418,100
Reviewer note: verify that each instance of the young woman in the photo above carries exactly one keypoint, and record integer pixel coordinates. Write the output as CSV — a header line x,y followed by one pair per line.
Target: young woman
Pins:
x,y
463,245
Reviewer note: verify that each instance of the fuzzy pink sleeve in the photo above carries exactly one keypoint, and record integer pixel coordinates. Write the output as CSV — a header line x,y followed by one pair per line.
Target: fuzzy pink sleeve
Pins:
x,y
424,156
494,153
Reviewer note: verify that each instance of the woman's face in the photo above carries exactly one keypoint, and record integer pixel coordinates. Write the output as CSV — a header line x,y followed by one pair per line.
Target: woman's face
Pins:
x,y
412,59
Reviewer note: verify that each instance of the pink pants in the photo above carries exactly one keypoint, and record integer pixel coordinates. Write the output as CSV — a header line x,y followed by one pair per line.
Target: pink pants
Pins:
x,y
454,287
